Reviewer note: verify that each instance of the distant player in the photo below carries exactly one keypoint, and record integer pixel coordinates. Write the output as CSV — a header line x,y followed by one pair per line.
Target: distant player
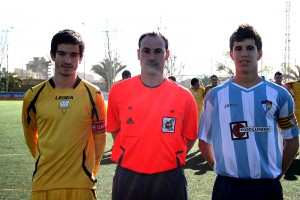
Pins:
x,y
278,79
294,88
213,83
173,78
198,94
126,74
64,122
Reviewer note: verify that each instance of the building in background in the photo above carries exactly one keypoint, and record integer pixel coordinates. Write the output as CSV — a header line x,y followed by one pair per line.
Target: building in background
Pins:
x,y
39,68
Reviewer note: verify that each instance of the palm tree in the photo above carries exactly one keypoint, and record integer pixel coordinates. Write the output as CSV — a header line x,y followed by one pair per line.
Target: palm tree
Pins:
x,y
108,68
9,81
266,70
172,68
224,67
292,74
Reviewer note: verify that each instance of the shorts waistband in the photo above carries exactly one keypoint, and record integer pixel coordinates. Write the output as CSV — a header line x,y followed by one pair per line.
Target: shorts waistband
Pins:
x,y
248,180
157,173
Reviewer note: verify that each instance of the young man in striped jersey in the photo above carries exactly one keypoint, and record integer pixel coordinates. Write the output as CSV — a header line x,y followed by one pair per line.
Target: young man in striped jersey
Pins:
x,y
248,131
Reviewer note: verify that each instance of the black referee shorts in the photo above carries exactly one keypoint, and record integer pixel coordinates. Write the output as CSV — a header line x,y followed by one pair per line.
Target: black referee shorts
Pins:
x,y
130,185
246,189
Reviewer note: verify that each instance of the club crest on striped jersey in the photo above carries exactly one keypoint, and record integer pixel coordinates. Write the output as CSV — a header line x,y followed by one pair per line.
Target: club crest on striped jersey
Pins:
x,y
267,105
168,125
64,106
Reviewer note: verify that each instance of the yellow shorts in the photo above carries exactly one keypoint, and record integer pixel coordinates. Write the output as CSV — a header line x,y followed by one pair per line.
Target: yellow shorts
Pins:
x,y
64,194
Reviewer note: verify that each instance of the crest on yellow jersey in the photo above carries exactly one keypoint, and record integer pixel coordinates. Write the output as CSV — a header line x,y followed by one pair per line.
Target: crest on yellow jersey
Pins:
x,y
64,106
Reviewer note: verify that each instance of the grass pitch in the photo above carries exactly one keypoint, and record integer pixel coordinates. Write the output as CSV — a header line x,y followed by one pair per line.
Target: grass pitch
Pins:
x,y
17,165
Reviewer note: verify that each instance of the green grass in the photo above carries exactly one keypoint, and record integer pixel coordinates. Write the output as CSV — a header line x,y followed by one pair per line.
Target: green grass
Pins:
x,y
17,165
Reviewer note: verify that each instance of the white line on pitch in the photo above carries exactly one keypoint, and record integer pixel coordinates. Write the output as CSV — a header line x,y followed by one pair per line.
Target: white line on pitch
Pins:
x,y
3,155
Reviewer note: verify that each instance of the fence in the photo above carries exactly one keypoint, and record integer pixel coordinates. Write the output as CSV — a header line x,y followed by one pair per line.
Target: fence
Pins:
x,y
12,95
20,95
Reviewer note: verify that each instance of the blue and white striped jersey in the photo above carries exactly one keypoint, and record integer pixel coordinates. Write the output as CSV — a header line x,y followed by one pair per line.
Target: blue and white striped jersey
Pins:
x,y
246,127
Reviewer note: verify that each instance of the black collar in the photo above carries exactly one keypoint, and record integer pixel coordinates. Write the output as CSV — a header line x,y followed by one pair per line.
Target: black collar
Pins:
x,y
74,86
152,86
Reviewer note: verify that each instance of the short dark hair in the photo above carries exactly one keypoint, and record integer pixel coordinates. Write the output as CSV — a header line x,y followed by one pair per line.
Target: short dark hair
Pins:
x,y
172,78
125,74
245,31
278,73
67,36
154,34
213,76
194,81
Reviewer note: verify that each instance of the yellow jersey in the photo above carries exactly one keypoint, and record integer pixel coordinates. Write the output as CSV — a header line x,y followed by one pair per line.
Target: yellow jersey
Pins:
x,y
65,131
199,98
294,87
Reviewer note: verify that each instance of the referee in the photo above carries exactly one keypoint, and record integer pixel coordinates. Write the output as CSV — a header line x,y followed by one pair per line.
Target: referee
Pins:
x,y
153,121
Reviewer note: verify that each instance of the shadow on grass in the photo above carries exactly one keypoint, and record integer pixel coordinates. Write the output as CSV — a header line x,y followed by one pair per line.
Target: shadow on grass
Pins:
x,y
293,171
196,162
106,158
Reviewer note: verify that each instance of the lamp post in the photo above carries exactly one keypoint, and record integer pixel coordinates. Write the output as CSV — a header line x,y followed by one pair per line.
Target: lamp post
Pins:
x,y
7,71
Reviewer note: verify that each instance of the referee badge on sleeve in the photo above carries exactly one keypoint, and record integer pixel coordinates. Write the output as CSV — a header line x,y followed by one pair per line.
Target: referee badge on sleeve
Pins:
x,y
168,125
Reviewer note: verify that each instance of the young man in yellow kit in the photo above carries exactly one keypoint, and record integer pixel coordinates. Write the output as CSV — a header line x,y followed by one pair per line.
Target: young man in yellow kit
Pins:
x,y
198,93
64,122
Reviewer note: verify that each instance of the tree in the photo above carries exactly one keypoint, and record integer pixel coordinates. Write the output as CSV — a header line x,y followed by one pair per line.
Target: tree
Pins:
x,y
225,66
204,80
292,74
266,70
110,66
9,81
172,68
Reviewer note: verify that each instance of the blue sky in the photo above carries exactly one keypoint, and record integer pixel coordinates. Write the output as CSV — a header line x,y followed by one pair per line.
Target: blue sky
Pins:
x,y
198,31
